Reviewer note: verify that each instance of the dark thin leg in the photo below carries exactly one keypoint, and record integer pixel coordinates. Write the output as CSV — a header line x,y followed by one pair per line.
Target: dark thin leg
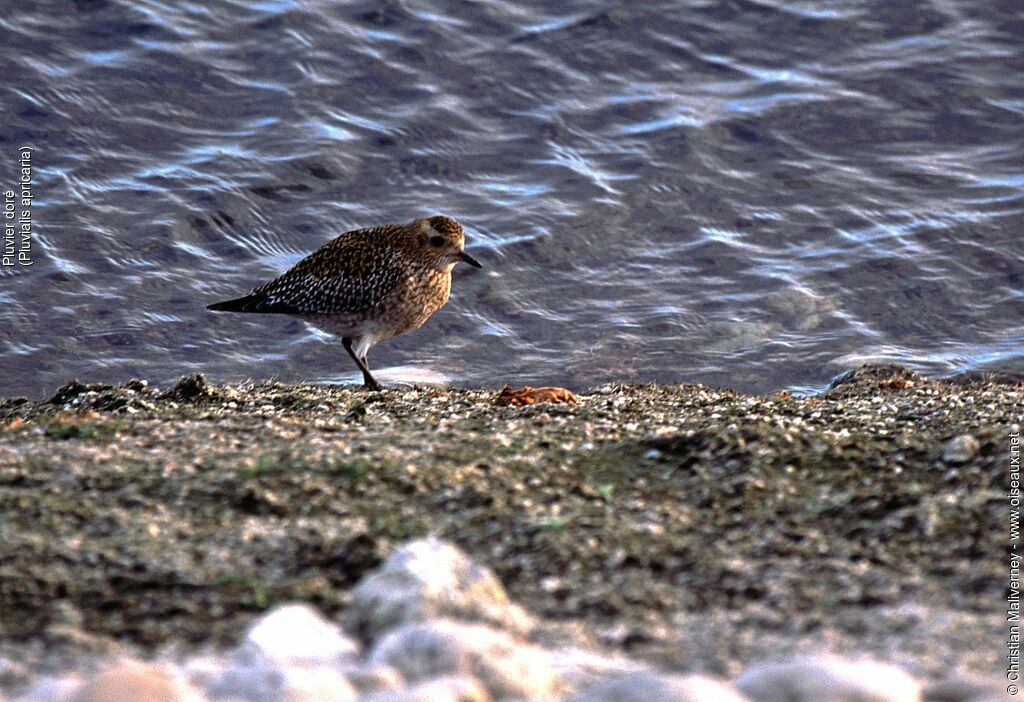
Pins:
x,y
368,380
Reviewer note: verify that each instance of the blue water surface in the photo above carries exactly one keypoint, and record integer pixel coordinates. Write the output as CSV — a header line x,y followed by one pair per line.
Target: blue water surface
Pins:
x,y
752,193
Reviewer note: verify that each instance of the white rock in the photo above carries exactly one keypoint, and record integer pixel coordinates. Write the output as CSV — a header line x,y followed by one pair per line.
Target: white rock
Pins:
x,y
647,687
960,449
203,670
580,669
827,679
316,685
260,680
296,633
52,689
137,682
447,689
246,679
507,667
430,579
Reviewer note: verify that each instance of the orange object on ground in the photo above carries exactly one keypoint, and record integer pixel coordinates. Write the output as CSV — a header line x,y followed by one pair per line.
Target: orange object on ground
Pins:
x,y
530,396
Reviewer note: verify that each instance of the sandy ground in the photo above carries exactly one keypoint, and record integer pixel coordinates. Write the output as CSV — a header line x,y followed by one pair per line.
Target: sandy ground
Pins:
x,y
678,523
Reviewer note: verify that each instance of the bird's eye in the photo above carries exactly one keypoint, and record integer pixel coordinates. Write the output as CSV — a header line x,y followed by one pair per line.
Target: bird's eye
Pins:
x,y
437,241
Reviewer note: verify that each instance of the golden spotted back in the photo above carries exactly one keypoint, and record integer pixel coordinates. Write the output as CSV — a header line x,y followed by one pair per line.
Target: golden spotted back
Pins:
x,y
349,275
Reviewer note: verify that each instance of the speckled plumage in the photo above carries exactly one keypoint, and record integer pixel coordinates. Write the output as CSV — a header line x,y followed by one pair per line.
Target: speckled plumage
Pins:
x,y
368,284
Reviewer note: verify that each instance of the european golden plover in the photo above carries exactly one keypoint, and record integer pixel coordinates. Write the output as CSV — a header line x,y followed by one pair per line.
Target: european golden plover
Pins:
x,y
367,285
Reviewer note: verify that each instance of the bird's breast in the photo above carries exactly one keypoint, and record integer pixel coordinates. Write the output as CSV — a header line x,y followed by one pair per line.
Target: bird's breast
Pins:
x,y
411,304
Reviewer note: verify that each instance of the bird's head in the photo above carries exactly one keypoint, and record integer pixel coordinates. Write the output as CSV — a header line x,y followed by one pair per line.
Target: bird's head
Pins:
x,y
441,241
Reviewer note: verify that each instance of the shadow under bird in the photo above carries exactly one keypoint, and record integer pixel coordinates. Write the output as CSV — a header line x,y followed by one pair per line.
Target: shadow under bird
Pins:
x,y
367,285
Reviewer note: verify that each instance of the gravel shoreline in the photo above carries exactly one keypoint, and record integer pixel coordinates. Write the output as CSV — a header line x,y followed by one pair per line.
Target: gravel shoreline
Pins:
x,y
643,519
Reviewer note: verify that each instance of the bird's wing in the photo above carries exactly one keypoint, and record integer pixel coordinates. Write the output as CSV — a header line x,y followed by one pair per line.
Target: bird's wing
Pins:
x,y
348,275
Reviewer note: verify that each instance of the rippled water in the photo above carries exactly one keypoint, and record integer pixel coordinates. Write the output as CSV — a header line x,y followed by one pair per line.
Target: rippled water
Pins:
x,y
753,193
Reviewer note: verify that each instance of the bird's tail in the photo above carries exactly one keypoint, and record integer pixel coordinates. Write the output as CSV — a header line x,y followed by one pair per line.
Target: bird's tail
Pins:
x,y
252,303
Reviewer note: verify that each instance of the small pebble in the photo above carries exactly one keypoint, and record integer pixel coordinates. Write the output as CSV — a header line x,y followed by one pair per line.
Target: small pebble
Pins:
x,y
506,666
827,679
960,449
648,687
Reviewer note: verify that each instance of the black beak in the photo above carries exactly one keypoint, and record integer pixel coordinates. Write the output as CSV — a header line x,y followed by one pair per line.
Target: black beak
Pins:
x,y
469,259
